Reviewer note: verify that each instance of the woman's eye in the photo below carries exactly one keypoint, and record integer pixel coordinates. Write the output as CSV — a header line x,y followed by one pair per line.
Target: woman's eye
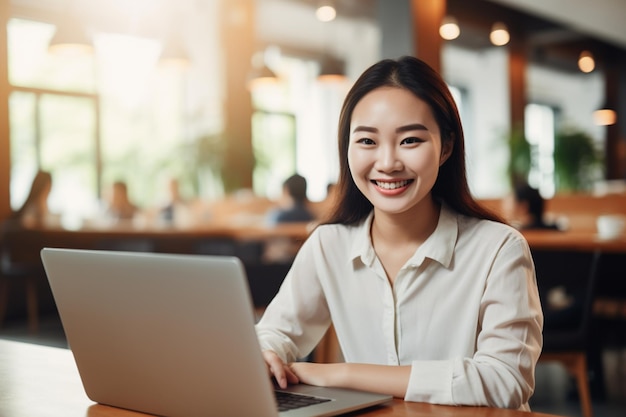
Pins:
x,y
365,141
412,140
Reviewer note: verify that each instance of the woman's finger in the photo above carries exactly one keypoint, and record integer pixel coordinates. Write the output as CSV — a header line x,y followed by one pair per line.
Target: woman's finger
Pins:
x,y
276,368
292,378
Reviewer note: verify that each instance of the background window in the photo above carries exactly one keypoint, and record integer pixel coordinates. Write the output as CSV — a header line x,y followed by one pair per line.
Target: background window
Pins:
x,y
539,123
114,114
274,146
56,133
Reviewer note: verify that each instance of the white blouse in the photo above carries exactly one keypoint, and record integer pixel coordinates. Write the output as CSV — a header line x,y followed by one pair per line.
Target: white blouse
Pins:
x,y
464,311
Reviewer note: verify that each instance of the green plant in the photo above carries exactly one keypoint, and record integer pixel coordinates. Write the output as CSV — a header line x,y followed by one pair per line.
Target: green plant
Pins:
x,y
519,156
191,162
576,160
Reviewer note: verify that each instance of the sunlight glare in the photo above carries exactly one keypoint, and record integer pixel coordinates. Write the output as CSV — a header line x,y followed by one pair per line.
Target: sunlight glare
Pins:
x,y
127,64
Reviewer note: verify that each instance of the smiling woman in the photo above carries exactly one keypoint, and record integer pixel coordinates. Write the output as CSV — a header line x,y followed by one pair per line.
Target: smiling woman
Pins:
x,y
406,253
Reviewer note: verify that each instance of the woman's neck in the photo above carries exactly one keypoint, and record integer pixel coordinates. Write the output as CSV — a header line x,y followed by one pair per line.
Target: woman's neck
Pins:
x,y
412,226
396,237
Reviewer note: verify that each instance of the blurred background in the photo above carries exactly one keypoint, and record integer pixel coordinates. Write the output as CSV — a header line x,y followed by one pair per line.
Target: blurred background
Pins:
x,y
149,90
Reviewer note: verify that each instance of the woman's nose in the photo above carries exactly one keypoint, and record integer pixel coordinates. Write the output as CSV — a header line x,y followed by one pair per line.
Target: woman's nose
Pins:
x,y
388,160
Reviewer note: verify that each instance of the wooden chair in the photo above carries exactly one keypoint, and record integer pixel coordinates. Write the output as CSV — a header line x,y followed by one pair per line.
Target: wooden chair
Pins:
x,y
609,315
19,260
567,282
328,349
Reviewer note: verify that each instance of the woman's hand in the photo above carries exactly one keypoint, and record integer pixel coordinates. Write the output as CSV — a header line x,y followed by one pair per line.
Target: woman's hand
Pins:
x,y
279,370
320,374
384,379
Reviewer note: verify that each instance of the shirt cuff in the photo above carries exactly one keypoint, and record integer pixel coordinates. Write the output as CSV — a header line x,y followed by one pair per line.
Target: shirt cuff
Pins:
x,y
430,381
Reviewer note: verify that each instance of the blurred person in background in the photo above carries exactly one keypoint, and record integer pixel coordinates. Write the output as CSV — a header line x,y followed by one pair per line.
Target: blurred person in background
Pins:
x,y
119,206
524,208
34,211
293,204
292,208
178,211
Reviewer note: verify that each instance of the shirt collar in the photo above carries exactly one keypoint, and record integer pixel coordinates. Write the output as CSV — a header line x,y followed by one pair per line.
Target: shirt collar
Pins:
x,y
362,244
439,246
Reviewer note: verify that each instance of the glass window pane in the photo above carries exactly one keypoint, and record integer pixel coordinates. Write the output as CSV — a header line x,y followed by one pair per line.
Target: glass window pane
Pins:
x,y
539,131
31,65
150,118
143,118
68,151
273,144
23,145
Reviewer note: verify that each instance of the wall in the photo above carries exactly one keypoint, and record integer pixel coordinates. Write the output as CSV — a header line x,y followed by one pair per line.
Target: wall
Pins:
x,y
5,160
483,75
577,95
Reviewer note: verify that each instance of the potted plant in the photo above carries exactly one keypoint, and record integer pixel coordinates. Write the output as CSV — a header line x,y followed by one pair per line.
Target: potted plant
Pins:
x,y
576,160
519,156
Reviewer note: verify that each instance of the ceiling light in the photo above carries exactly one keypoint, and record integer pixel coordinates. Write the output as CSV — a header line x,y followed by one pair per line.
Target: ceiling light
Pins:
x,y
331,71
499,35
70,39
449,28
586,63
604,117
260,73
174,54
325,11
260,77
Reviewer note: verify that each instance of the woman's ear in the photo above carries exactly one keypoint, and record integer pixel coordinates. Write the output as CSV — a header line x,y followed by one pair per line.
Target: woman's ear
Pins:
x,y
446,151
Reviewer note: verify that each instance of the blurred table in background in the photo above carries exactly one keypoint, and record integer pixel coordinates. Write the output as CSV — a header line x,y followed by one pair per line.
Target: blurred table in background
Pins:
x,y
574,239
247,241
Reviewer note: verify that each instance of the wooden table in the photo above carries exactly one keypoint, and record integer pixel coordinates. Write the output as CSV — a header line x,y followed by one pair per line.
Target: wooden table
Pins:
x,y
163,239
583,240
540,239
42,381
180,240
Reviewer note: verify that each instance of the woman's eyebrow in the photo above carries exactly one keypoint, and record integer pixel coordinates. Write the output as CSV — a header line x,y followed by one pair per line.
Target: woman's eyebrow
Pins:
x,y
407,128
411,127
365,129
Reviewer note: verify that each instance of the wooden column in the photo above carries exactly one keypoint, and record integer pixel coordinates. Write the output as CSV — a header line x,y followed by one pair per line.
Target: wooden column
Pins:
x,y
426,16
5,133
614,164
238,43
517,81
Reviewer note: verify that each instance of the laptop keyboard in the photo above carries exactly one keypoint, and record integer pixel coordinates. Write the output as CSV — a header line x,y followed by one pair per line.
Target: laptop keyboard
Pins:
x,y
290,401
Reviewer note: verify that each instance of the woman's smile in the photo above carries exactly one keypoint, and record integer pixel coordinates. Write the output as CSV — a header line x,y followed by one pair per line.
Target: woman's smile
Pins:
x,y
392,187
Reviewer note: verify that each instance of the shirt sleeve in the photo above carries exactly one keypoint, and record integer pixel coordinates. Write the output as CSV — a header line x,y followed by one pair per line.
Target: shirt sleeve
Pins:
x,y
501,372
297,317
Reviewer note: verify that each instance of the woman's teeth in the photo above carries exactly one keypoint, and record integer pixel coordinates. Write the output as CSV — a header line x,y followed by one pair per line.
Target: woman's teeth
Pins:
x,y
392,185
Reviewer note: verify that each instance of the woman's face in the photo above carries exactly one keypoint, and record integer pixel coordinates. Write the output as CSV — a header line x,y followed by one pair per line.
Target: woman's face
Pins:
x,y
395,149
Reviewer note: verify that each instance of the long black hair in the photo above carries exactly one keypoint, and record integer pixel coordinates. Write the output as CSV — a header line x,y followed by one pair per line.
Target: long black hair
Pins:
x,y
412,74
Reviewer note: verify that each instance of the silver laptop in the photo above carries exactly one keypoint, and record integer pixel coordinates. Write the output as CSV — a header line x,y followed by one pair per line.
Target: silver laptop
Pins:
x,y
172,335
